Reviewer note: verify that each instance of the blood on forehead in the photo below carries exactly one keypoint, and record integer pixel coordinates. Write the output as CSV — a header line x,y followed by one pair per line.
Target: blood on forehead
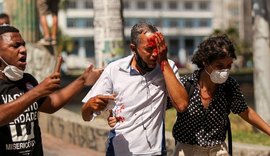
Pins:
x,y
151,40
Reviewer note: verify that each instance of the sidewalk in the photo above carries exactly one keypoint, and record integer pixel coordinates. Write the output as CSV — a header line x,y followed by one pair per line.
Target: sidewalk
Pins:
x,y
53,146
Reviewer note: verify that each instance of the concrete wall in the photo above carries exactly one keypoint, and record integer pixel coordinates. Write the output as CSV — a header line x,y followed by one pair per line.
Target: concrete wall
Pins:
x,y
70,127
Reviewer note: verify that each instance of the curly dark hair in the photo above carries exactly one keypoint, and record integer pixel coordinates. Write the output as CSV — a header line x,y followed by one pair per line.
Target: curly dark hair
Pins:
x,y
213,48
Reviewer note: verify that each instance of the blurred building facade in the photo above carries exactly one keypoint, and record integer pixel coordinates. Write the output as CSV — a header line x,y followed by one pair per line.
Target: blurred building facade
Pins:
x,y
185,23
1,5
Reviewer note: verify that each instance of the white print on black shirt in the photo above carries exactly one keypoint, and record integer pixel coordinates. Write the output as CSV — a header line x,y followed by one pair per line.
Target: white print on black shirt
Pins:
x,y
9,98
24,145
22,128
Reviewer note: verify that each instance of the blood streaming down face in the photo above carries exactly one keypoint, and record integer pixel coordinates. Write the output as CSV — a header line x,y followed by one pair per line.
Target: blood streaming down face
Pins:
x,y
152,43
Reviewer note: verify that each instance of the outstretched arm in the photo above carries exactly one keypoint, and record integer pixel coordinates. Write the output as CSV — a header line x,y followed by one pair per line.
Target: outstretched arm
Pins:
x,y
254,119
58,99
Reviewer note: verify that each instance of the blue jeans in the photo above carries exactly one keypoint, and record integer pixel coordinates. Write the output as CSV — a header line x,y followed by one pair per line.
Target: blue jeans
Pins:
x,y
110,150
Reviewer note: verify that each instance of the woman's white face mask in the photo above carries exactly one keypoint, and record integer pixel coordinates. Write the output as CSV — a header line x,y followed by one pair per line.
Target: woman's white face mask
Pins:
x,y
219,76
12,72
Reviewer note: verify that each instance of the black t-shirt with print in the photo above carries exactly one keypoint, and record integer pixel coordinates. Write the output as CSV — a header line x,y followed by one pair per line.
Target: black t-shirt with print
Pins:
x,y
22,136
207,126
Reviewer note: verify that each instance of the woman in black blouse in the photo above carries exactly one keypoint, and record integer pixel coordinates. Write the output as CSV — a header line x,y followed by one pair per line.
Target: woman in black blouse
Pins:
x,y
201,129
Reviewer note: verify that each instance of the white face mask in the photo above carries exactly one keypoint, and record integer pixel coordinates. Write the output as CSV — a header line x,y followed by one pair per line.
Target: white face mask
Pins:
x,y
12,73
219,76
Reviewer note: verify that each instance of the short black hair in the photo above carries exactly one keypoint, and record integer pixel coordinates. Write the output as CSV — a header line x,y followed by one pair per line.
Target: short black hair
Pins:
x,y
4,15
138,28
4,18
213,48
7,28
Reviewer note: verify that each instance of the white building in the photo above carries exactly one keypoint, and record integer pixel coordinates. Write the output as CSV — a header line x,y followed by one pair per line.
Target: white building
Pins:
x,y
1,6
184,22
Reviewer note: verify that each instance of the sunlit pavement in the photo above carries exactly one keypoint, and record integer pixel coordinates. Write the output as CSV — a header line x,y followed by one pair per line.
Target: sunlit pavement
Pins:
x,y
53,146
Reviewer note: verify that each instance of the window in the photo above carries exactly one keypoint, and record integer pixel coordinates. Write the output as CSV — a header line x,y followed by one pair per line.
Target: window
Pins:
x,y
71,4
128,22
173,5
71,22
157,22
80,23
173,23
141,5
142,20
189,45
188,5
157,5
126,5
88,4
75,46
203,23
204,5
88,23
89,47
188,23
173,46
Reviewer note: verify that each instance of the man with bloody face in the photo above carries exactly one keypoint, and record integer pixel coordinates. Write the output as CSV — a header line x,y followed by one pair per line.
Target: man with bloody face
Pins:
x,y
140,84
147,47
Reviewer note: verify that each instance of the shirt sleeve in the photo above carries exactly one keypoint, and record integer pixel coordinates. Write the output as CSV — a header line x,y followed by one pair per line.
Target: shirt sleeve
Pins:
x,y
175,70
102,86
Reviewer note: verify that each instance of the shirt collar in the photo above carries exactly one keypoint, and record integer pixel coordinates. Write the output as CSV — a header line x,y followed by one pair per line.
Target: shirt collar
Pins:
x,y
125,65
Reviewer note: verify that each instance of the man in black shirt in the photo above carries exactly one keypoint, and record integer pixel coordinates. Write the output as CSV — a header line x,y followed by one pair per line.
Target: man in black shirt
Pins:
x,y
21,97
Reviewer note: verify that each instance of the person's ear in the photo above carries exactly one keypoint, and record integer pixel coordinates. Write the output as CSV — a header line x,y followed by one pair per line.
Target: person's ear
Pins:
x,y
132,47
